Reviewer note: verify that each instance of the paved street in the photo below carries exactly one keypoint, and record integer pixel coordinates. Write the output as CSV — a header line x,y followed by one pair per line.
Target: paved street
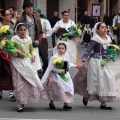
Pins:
x,y
41,110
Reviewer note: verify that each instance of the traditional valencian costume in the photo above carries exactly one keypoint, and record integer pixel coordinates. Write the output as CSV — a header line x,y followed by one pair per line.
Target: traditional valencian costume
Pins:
x,y
61,28
55,87
93,81
25,78
5,59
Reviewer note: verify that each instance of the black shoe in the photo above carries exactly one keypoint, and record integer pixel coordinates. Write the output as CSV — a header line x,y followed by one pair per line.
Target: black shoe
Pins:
x,y
105,107
40,74
85,101
12,98
0,97
67,107
20,109
52,106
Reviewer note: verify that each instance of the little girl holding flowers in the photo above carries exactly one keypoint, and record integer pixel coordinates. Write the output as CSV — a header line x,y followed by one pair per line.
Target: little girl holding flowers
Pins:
x,y
57,82
25,78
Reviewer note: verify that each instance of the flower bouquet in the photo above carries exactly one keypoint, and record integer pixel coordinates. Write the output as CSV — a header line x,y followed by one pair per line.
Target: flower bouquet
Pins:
x,y
7,45
115,50
72,32
59,64
4,30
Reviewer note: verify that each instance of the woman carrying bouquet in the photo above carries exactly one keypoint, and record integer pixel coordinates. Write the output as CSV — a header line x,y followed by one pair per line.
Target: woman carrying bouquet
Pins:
x,y
99,84
5,59
58,85
62,27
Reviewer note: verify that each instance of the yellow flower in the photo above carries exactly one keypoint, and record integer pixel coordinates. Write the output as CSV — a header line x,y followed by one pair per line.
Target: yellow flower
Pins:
x,y
4,28
57,60
85,29
7,27
115,28
116,47
79,32
0,31
3,42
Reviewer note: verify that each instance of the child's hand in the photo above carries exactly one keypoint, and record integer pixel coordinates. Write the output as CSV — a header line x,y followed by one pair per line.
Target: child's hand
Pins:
x,y
20,54
108,58
36,42
80,64
33,59
63,72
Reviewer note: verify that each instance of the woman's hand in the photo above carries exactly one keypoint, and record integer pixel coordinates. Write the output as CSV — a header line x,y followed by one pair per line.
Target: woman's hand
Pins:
x,y
36,42
20,54
80,64
63,72
33,59
108,58
45,32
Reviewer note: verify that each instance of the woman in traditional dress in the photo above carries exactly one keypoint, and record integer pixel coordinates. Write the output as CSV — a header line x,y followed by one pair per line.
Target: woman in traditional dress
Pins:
x,y
24,73
87,34
5,59
62,27
56,87
99,84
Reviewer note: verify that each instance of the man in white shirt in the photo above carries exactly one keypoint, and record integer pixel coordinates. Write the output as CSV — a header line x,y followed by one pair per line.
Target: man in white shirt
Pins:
x,y
47,31
34,30
116,23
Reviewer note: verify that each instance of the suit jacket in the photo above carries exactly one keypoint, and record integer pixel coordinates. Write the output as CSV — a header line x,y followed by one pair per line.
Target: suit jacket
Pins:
x,y
38,27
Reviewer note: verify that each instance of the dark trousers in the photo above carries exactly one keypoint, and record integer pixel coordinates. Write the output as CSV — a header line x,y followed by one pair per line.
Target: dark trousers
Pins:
x,y
43,51
53,39
118,35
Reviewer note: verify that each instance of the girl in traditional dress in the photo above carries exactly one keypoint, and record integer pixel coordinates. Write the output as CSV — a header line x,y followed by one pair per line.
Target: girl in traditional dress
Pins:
x,y
99,84
62,27
25,78
57,88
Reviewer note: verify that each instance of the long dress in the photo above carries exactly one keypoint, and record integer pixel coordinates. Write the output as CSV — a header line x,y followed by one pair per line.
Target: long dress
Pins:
x,y
24,73
5,71
61,28
94,81
55,88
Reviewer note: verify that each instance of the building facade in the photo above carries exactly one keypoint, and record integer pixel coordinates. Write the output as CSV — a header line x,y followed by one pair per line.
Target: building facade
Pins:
x,y
76,7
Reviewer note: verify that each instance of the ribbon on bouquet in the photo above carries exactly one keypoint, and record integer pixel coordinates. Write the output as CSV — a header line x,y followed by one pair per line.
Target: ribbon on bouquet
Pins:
x,y
63,77
72,32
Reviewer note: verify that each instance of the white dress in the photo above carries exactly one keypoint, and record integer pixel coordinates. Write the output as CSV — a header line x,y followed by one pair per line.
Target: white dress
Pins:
x,y
72,48
55,88
24,65
94,81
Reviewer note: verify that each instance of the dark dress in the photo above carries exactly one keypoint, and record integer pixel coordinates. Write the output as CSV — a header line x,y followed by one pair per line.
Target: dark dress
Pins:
x,y
5,70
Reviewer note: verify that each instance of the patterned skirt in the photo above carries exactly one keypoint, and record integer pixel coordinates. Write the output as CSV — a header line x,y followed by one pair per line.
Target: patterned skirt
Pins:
x,y
25,92
53,90
81,85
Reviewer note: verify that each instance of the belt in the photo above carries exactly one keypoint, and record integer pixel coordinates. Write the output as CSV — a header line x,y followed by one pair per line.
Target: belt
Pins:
x,y
44,39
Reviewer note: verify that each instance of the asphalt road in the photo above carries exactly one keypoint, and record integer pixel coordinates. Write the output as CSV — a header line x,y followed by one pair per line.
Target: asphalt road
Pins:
x,y
41,110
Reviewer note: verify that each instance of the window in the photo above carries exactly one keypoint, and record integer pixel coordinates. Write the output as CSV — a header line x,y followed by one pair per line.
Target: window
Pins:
x,y
52,5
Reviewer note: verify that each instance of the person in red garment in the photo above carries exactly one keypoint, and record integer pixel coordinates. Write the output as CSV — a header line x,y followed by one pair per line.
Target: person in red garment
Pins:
x,y
5,59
